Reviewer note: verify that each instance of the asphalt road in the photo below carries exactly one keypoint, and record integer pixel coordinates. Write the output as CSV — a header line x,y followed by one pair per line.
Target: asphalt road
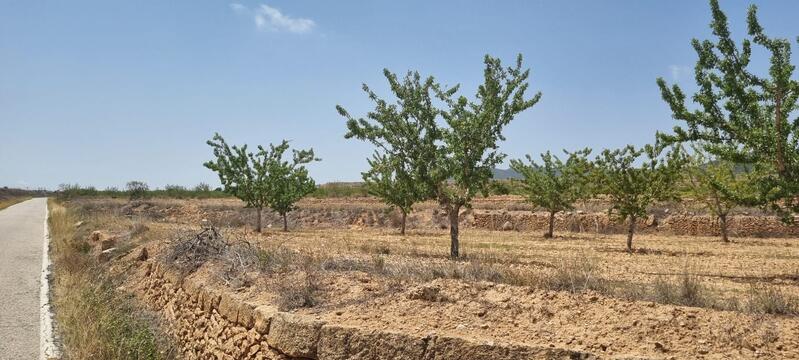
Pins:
x,y
21,239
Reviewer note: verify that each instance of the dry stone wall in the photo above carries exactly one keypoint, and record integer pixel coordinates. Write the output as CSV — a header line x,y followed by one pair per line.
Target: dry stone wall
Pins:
x,y
214,324
696,225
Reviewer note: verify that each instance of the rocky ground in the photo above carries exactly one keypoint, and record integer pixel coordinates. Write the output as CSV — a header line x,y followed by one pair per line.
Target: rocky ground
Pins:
x,y
676,297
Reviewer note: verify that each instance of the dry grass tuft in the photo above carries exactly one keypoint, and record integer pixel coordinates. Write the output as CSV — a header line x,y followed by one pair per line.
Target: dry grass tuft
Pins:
x,y
94,320
765,299
8,202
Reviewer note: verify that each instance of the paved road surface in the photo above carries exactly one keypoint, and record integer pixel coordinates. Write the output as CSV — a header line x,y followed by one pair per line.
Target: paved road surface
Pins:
x,y
21,238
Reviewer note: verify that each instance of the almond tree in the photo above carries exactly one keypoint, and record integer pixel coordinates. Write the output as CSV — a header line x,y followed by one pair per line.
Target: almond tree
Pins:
x,y
555,185
287,181
469,149
449,153
262,178
239,175
742,117
389,180
405,135
719,185
633,185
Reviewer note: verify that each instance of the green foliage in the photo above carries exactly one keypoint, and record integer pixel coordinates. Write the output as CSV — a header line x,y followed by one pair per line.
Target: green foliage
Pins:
x,y
262,178
137,189
470,142
202,187
448,153
555,185
405,134
719,185
70,191
340,189
287,181
742,117
633,185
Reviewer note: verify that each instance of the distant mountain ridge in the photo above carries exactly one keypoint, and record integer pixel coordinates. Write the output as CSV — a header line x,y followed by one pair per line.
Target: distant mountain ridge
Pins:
x,y
506,174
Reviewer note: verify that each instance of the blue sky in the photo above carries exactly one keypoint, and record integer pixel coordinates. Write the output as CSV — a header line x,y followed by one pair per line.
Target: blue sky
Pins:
x,y
102,92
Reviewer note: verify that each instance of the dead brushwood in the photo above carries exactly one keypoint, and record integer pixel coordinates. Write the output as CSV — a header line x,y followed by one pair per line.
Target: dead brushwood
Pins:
x,y
192,250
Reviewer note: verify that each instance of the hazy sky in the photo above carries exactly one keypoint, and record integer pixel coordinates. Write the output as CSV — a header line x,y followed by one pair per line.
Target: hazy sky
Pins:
x,y
102,92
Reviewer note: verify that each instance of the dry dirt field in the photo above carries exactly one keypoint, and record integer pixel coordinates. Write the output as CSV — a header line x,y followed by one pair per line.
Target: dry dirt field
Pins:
x,y
676,297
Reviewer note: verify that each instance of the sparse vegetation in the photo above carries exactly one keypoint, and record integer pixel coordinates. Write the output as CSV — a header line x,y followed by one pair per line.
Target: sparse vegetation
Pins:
x,y
137,189
94,319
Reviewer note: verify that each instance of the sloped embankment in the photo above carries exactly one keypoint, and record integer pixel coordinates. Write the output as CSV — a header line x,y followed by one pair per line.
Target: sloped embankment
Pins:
x,y
215,324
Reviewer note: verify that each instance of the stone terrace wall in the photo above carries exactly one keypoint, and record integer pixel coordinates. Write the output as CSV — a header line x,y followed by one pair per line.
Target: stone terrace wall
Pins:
x,y
211,324
697,225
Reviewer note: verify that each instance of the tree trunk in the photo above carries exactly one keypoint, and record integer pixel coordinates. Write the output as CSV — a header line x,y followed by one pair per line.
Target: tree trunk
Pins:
x,y
285,223
453,231
258,221
630,232
551,232
723,225
404,217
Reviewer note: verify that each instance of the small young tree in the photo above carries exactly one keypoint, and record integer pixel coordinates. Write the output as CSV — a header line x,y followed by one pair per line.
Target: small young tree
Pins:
x,y
744,118
287,181
719,185
555,185
390,181
469,150
406,135
137,189
263,178
633,186
242,174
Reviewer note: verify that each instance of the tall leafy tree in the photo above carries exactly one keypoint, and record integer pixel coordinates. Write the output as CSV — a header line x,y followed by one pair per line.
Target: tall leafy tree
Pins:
x,y
555,185
743,117
262,178
287,181
449,152
471,139
634,179
405,135
719,185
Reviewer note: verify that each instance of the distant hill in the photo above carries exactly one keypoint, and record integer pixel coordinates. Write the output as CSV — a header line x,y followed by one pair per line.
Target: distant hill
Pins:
x,y
506,174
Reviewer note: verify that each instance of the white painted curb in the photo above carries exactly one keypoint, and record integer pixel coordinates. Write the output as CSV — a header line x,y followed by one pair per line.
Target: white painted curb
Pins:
x,y
47,347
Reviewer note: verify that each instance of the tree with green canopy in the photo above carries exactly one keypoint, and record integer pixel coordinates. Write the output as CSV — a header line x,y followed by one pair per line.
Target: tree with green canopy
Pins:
x,y
287,181
555,185
470,149
262,178
405,134
634,179
449,152
742,117
389,180
719,185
